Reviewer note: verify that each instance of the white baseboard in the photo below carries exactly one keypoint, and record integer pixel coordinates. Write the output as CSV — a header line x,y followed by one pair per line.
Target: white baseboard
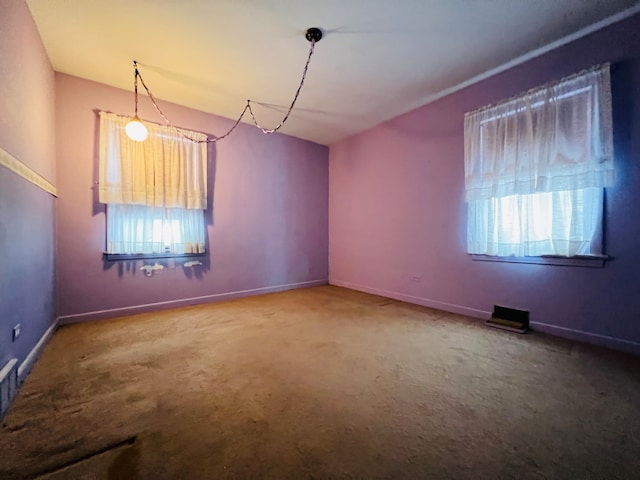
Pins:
x,y
587,337
425,302
27,364
183,302
579,335
8,385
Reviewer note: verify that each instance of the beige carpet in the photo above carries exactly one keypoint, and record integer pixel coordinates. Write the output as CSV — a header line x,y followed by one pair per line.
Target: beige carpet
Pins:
x,y
321,383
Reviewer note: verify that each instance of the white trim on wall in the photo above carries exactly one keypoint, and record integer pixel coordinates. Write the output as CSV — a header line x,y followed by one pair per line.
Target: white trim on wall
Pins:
x,y
183,302
570,333
27,364
16,166
587,337
425,302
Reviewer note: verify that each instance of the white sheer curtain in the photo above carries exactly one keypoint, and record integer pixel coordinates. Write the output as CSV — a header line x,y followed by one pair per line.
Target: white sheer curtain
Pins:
x,y
535,169
155,191
133,229
564,223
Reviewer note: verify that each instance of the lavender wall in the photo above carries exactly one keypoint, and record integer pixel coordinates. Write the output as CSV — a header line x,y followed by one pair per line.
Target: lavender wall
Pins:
x,y
397,211
26,211
267,226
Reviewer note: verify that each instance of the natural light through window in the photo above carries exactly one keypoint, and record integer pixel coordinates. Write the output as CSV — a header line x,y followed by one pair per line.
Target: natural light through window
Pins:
x,y
166,232
565,223
155,191
536,167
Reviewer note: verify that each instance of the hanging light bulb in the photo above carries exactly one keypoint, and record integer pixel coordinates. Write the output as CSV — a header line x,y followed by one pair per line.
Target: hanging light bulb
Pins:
x,y
135,128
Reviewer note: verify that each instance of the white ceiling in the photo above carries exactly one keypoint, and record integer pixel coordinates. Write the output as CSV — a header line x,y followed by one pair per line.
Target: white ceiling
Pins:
x,y
378,58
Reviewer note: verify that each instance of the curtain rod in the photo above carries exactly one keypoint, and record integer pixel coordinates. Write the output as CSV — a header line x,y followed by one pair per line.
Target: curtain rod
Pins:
x,y
539,88
163,125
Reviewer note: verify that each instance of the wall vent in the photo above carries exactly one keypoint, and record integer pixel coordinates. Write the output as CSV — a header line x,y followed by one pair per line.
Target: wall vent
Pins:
x,y
8,385
509,319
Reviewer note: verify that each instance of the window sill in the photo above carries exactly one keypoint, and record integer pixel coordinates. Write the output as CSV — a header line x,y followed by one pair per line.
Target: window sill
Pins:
x,y
149,256
593,261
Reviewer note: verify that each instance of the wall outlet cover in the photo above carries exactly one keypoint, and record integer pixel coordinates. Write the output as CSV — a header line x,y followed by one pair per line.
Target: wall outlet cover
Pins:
x,y
16,332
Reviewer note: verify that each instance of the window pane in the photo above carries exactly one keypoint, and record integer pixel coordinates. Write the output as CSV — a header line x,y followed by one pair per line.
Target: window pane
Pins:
x,y
137,229
564,223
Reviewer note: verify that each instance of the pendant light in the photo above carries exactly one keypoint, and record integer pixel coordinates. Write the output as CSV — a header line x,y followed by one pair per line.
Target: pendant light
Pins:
x,y
135,128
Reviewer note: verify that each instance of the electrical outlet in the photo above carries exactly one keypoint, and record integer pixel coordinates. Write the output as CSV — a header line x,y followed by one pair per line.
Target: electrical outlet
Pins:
x,y
16,332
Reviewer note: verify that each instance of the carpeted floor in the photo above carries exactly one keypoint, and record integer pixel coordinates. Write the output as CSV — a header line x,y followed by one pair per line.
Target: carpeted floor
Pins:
x,y
321,383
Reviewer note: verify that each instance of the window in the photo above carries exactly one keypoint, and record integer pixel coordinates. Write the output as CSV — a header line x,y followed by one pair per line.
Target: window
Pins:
x,y
536,167
155,191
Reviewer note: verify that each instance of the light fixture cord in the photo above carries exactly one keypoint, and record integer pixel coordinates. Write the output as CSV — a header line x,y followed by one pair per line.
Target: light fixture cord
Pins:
x,y
136,74
295,98
237,122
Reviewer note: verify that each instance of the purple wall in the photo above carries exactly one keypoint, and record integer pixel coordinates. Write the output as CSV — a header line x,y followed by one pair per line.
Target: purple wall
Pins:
x,y
267,228
397,211
397,215
26,211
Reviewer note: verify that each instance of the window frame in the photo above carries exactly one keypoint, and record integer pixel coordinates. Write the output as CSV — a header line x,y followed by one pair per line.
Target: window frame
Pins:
x,y
591,261
116,124
114,257
164,254
598,239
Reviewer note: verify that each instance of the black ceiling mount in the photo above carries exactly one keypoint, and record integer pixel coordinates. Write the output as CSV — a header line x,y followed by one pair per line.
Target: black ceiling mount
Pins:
x,y
314,34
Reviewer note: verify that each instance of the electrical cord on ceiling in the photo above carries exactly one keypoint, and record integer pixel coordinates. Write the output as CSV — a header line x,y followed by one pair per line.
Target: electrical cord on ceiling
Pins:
x,y
312,34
